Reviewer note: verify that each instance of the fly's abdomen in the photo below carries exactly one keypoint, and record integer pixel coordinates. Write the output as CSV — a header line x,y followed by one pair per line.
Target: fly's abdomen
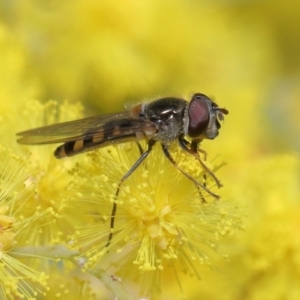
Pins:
x,y
84,145
71,148
79,146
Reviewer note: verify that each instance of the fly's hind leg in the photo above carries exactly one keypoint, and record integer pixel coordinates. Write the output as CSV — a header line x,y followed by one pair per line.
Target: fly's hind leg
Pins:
x,y
129,172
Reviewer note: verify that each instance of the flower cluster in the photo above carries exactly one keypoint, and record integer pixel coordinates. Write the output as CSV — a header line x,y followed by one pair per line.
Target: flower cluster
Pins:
x,y
161,222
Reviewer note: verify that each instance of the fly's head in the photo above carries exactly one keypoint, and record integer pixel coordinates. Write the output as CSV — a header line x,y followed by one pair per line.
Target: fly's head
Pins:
x,y
203,116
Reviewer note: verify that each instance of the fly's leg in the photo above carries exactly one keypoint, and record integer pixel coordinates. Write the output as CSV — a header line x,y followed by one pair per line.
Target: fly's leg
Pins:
x,y
194,151
141,150
194,148
129,172
198,184
204,175
186,144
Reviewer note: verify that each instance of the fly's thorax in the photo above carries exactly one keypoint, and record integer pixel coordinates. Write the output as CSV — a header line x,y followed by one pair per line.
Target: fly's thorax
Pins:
x,y
167,114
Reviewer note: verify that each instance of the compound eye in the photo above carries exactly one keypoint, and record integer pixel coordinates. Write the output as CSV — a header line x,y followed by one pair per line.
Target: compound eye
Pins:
x,y
199,115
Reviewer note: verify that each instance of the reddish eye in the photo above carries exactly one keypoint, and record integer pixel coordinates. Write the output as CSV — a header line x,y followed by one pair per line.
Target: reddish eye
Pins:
x,y
199,114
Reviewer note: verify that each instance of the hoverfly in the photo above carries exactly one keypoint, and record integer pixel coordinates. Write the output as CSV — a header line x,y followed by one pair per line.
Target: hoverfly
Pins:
x,y
164,120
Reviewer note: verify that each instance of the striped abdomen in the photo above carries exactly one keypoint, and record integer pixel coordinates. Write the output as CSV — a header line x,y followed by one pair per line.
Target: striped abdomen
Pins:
x,y
114,132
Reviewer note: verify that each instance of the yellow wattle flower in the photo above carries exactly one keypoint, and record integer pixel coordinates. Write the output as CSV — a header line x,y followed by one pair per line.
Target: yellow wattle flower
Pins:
x,y
17,279
47,175
161,223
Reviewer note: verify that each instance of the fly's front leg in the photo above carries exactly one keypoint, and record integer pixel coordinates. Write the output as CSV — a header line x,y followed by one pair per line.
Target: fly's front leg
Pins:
x,y
195,148
198,184
194,151
131,170
184,147
186,144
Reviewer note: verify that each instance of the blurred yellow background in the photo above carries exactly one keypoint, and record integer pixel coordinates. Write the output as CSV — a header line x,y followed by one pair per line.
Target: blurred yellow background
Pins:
x,y
244,54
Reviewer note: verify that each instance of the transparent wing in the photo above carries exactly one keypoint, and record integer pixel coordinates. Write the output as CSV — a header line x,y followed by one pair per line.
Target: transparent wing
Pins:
x,y
100,127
